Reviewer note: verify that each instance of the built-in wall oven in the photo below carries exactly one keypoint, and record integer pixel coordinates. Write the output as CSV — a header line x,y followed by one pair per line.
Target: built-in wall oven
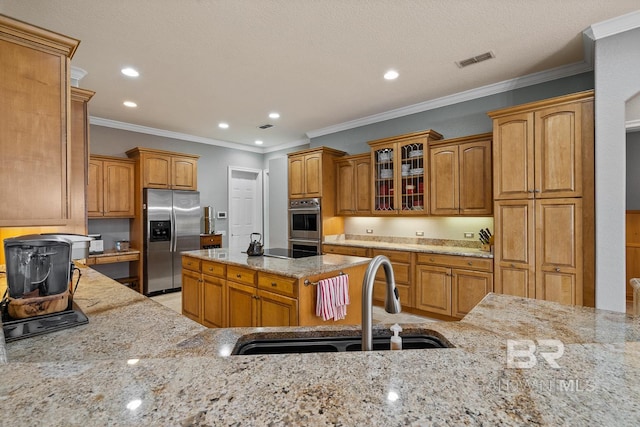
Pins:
x,y
305,225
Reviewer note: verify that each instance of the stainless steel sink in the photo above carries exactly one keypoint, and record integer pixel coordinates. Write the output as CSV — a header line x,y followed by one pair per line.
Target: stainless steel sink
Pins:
x,y
331,344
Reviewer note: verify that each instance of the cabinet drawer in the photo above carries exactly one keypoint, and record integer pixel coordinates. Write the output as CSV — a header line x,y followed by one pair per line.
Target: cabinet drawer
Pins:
x,y
394,256
279,284
115,258
470,263
346,250
192,264
214,269
401,272
241,275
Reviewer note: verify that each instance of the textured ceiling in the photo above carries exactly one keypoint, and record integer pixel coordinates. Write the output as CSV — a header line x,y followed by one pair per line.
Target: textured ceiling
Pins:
x,y
318,63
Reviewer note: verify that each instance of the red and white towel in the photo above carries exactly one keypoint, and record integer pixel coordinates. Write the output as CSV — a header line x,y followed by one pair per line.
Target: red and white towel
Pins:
x,y
333,298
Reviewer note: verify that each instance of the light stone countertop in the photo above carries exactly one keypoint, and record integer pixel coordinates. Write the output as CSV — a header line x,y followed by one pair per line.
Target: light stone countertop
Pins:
x,y
139,363
433,246
296,268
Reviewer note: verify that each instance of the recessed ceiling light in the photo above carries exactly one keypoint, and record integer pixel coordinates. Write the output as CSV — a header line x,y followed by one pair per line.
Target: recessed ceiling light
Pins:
x,y
258,142
274,115
223,125
391,75
130,104
130,72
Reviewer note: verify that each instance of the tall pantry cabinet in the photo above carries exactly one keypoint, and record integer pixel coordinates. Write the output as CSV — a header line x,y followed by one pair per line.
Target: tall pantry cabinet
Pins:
x,y
543,155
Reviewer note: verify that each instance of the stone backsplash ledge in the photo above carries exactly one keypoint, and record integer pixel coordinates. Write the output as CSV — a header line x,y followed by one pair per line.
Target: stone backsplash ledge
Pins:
x,y
473,244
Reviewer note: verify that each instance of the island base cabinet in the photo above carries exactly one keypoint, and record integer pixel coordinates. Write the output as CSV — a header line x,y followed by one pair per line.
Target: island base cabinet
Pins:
x,y
276,310
214,291
242,305
191,287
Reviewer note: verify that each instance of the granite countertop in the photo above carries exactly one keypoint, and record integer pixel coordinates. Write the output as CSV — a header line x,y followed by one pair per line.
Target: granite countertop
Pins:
x,y
296,268
139,363
113,252
433,246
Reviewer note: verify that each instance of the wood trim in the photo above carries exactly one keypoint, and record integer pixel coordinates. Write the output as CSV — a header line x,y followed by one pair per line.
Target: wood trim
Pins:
x,y
429,133
136,151
322,149
463,139
550,102
20,32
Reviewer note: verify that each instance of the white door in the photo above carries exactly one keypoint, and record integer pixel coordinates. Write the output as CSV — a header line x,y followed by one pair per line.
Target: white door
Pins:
x,y
245,206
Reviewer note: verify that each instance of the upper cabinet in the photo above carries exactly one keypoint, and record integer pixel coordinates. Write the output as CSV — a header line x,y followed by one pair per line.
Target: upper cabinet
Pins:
x,y
36,156
311,172
165,169
400,167
538,151
353,195
460,176
110,191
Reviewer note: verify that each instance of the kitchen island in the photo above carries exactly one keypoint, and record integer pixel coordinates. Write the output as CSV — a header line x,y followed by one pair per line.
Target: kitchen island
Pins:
x,y
139,363
223,288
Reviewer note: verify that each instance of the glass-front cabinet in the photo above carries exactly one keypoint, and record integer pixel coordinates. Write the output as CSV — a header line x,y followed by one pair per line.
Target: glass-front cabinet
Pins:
x,y
400,167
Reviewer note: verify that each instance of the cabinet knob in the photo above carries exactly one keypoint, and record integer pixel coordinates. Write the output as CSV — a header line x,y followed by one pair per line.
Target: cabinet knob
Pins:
x,y
238,275
513,266
558,269
210,268
274,284
536,191
431,259
470,263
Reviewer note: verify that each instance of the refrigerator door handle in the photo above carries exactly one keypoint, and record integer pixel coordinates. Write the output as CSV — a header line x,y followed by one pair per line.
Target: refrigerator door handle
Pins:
x,y
174,237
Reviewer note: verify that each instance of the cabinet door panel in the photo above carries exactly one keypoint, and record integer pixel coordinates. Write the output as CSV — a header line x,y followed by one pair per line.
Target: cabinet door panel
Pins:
x,y
519,282
433,289
191,294
363,186
277,310
118,191
513,156
94,189
558,151
184,175
296,177
514,232
313,175
157,171
405,292
445,183
241,305
213,302
557,287
345,200
476,178
468,289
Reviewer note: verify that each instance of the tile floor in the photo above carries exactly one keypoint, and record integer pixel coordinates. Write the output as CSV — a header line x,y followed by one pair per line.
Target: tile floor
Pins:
x,y
174,301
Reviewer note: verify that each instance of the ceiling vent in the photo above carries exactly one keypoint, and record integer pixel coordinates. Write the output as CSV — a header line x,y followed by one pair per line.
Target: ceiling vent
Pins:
x,y
475,59
267,126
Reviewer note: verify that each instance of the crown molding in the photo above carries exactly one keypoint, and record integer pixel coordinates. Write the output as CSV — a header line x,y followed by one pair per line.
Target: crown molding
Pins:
x,y
632,126
99,121
77,74
614,26
468,95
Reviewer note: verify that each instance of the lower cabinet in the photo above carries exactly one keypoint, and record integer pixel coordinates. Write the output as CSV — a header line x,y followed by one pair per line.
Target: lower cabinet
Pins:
x,y
218,295
403,266
450,285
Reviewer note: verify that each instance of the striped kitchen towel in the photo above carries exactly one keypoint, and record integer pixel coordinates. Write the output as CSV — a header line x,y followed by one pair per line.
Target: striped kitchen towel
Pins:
x,y
333,297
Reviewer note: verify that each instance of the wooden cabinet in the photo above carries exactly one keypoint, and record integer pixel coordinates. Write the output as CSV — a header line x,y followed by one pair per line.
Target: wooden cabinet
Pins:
x,y
451,286
210,241
166,169
544,199
110,190
632,231
403,267
311,173
353,189
540,252
346,250
37,165
400,165
217,294
461,176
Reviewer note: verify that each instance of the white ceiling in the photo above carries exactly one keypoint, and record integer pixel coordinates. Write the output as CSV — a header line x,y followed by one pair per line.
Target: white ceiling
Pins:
x,y
319,63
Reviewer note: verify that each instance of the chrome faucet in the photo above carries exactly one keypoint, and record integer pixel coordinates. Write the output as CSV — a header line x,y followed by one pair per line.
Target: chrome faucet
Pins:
x,y
392,299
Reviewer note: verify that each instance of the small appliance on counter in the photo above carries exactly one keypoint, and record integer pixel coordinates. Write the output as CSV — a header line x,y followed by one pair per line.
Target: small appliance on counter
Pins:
x,y
96,246
39,295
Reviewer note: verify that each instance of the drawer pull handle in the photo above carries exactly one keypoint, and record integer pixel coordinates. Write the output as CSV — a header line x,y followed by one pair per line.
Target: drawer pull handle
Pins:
x,y
513,266
274,284
238,275
558,269
470,263
210,268
431,259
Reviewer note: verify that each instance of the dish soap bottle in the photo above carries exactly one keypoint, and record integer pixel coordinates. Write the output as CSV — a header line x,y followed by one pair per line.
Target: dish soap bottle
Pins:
x,y
396,340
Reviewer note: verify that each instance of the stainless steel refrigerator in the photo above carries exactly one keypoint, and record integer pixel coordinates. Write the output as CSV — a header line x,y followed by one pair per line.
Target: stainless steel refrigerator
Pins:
x,y
172,225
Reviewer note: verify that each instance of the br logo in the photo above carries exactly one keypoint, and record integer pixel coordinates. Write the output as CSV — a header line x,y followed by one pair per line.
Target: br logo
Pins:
x,y
522,353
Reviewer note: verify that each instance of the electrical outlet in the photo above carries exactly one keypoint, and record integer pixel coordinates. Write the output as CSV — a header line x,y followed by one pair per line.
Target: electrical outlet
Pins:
x,y
420,233
369,230
468,235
